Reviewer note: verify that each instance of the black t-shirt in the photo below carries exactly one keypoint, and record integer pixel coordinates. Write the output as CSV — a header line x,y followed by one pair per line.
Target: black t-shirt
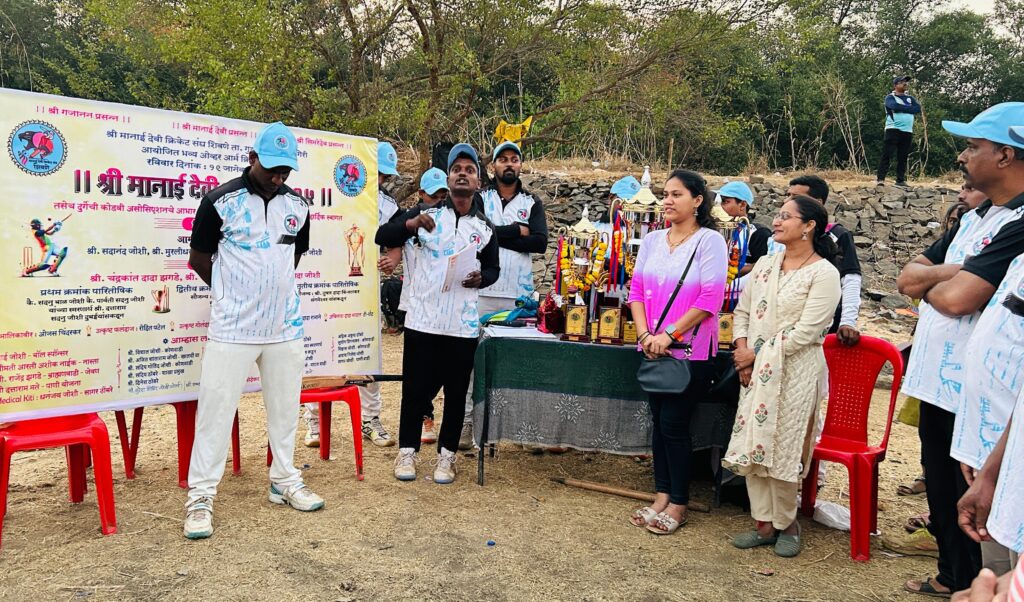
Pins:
x,y
206,227
993,261
846,260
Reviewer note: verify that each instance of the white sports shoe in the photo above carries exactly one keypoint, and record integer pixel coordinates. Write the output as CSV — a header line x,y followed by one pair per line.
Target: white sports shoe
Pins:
x,y
376,433
444,473
297,496
199,518
405,464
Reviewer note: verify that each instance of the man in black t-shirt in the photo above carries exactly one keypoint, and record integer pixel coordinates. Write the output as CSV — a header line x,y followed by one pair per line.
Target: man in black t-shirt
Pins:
x,y
845,323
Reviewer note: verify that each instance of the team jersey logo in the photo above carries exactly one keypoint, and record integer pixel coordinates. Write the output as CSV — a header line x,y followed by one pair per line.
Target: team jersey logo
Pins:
x,y
350,175
291,224
474,239
281,142
37,148
521,214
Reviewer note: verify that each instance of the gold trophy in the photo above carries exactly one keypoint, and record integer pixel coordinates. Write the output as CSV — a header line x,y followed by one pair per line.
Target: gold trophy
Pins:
x,y
629,332
354,239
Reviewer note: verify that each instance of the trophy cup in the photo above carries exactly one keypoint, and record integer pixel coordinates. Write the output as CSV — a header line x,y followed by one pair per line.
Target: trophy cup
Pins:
x,y
354,239
576,324
737,236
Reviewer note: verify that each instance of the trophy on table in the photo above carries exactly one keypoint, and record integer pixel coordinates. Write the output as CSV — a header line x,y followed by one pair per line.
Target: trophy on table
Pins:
x,y
736,231
642,214
354,239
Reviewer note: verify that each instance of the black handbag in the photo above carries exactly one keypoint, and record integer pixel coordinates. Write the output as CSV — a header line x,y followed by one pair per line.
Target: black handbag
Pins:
x,y
667,374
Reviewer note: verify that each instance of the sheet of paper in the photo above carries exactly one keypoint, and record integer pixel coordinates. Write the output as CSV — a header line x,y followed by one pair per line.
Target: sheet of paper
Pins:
x,y
510,332
459,266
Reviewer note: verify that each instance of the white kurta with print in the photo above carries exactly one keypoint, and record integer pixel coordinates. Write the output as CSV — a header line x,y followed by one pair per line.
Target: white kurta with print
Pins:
x,y
935,373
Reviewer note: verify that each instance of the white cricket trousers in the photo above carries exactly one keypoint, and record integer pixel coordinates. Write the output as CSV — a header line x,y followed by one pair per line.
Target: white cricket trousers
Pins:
x,y
225,369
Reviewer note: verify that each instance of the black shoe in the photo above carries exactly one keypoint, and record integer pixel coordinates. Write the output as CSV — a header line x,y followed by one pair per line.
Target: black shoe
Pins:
x,y
902,185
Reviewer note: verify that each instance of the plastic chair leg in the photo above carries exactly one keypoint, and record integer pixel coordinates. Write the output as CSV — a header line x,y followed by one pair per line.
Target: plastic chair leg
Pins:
x,y
236,448
104,475
129,443
185,419
270,455
874,498
356,415
76,472
325,430
810,490
860,510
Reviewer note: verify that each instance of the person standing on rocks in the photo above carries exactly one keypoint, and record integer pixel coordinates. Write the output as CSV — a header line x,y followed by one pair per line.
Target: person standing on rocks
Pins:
x,y
522,229
844,325
255,318
900,109
955,278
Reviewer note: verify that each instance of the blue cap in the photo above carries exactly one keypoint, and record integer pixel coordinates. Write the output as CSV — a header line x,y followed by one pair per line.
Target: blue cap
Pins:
x,y
387,159
626,188
433,180
737,190
505,146
900,78
1017,133
275,146
992,124
463,150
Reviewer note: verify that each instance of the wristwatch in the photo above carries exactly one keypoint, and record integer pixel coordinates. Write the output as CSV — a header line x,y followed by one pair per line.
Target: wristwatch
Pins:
x,y
671,332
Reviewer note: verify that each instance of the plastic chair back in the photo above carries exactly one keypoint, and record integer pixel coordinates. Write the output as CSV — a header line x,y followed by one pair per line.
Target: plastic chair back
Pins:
x,y
852,373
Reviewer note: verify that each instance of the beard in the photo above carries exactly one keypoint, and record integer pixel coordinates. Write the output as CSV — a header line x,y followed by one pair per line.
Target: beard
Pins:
x,y
508,177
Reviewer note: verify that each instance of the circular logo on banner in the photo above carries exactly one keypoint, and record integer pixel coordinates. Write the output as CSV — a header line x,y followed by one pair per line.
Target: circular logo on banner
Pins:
x,y
291,224
37,148
350,175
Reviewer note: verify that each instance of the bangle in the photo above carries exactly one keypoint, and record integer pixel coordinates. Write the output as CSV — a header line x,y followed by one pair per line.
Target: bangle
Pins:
x,y
643,336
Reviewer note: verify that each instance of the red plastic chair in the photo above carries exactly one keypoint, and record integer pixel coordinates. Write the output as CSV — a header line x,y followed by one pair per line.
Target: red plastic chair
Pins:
x,y
852,373
81,436
325,397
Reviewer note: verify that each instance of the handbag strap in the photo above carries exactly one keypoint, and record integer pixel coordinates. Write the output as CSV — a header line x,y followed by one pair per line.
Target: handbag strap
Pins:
x,y
679,285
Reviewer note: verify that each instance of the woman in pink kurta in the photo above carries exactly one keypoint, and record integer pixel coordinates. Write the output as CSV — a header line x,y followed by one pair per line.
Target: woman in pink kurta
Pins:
x,y
689,330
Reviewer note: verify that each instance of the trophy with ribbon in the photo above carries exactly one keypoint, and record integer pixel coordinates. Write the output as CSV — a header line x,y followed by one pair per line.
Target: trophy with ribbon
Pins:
x,y
737,237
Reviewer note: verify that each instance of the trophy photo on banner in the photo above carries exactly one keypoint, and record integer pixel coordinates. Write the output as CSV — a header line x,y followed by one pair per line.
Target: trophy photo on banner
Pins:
x,y
354,239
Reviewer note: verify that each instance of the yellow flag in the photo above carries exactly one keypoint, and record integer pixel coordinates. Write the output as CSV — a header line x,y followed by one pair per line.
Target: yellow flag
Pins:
x,y
512,132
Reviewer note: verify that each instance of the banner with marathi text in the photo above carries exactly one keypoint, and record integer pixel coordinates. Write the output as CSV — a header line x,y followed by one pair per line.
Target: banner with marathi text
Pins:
x,y
100,308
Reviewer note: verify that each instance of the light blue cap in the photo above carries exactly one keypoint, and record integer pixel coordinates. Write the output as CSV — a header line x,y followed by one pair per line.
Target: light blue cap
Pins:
x,y
504,146
387,159
275,146
433,180
463,150
626,188
992,124
1017,133
737,190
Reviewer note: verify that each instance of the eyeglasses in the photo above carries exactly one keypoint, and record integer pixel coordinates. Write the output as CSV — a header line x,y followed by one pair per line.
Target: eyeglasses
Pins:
x,y
783,216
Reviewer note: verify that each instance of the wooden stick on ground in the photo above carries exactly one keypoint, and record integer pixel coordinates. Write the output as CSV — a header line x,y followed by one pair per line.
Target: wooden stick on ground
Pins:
x,y
622,491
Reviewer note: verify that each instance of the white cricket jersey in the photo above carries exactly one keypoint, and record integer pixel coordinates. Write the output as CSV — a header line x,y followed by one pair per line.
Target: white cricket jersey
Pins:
x,y
516,279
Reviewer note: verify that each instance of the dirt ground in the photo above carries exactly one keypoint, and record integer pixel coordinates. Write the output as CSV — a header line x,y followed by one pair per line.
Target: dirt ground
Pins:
x,y
384,540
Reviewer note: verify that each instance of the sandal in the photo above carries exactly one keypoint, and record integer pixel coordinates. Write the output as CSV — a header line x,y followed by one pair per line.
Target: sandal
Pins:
x,y
917,487
664,524
752,539
647,514
925,588
917,522
789,546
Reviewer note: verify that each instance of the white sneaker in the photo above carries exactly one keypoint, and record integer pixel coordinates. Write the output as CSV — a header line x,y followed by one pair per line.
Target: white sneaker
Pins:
x,y
428,434
199,518
376,433
297,496
312,438
444,473
466,437
405,464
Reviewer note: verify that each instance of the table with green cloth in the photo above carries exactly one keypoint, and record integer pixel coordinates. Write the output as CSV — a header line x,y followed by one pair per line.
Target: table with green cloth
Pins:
x,y
584,396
